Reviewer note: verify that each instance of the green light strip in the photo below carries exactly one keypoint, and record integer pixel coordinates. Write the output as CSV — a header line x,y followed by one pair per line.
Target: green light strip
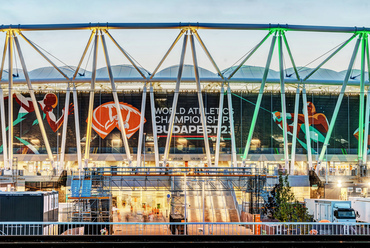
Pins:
x,y
362,102
339,101
259,99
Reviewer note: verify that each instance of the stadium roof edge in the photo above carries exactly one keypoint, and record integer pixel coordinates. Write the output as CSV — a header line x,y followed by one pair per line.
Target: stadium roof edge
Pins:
x,y
127,73
182,25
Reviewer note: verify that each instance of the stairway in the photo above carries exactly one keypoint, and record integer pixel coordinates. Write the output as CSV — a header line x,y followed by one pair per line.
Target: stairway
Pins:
x,y
219,204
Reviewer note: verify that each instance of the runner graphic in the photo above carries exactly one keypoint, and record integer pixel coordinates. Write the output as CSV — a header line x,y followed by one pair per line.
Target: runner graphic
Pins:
x,y
318,125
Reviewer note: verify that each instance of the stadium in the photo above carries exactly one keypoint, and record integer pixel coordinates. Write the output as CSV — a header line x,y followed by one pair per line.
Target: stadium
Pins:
x,y
308,122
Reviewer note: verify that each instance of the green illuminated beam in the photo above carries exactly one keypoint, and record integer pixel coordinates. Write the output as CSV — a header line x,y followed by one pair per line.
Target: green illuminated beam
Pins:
x,y
328,58
366,133
290,56
362,101
307,126
367,114
259,99
282,97
339,101
295,128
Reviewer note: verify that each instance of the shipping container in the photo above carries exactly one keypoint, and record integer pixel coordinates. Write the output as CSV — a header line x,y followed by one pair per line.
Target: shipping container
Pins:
x,y
28,206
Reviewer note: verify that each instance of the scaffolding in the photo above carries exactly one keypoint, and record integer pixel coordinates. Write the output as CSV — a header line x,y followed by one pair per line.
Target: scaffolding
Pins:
x,y
91,197
225,191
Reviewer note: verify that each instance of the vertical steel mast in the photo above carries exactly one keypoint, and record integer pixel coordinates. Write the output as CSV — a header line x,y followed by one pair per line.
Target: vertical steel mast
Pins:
x,y
34,102
91,101
259,99
283,102
174,102
2,106
75,102
116,102
339,100
367,110
200,101
362,102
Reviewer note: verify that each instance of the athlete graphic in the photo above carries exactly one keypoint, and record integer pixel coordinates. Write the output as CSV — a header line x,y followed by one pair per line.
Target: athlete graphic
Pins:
x,y
356,134
47,105
318,124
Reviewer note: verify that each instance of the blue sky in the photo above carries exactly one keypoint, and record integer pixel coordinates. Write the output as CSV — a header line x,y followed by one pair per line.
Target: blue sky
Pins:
x,y
227,47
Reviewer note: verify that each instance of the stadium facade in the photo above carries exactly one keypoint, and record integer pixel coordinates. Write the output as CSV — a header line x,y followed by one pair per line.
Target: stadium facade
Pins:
x,y
293,120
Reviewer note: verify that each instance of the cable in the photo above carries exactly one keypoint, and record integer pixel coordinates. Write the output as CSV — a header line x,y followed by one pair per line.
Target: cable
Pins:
x,y
246,54
133,59
87,61
316,59
68,67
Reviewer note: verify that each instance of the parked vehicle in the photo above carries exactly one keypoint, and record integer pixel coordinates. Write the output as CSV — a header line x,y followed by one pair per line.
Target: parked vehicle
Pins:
x,y
331,210
362,206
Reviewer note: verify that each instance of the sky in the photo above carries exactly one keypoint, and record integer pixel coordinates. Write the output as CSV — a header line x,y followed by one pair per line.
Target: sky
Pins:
x,y
148,46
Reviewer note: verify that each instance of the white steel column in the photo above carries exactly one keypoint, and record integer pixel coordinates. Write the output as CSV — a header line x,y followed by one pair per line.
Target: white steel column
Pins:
x,y
154,125
361,111
200,100
339,101
116,102
307,127
65,124
366,133
295,128
141,130
67,99
296,106
77,127
232,129
367,111
3,128
10,99
283,102
152,104
4,54
2,106
221,103
219,124
75,102
174,102
259,99
91,102
34,102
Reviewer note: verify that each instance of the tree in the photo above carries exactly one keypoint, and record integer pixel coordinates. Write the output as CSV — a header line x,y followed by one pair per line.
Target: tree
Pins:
x,y
282,204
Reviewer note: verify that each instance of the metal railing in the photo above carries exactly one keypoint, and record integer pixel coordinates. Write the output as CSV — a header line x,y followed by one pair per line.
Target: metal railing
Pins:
x,y
181,228
173,171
